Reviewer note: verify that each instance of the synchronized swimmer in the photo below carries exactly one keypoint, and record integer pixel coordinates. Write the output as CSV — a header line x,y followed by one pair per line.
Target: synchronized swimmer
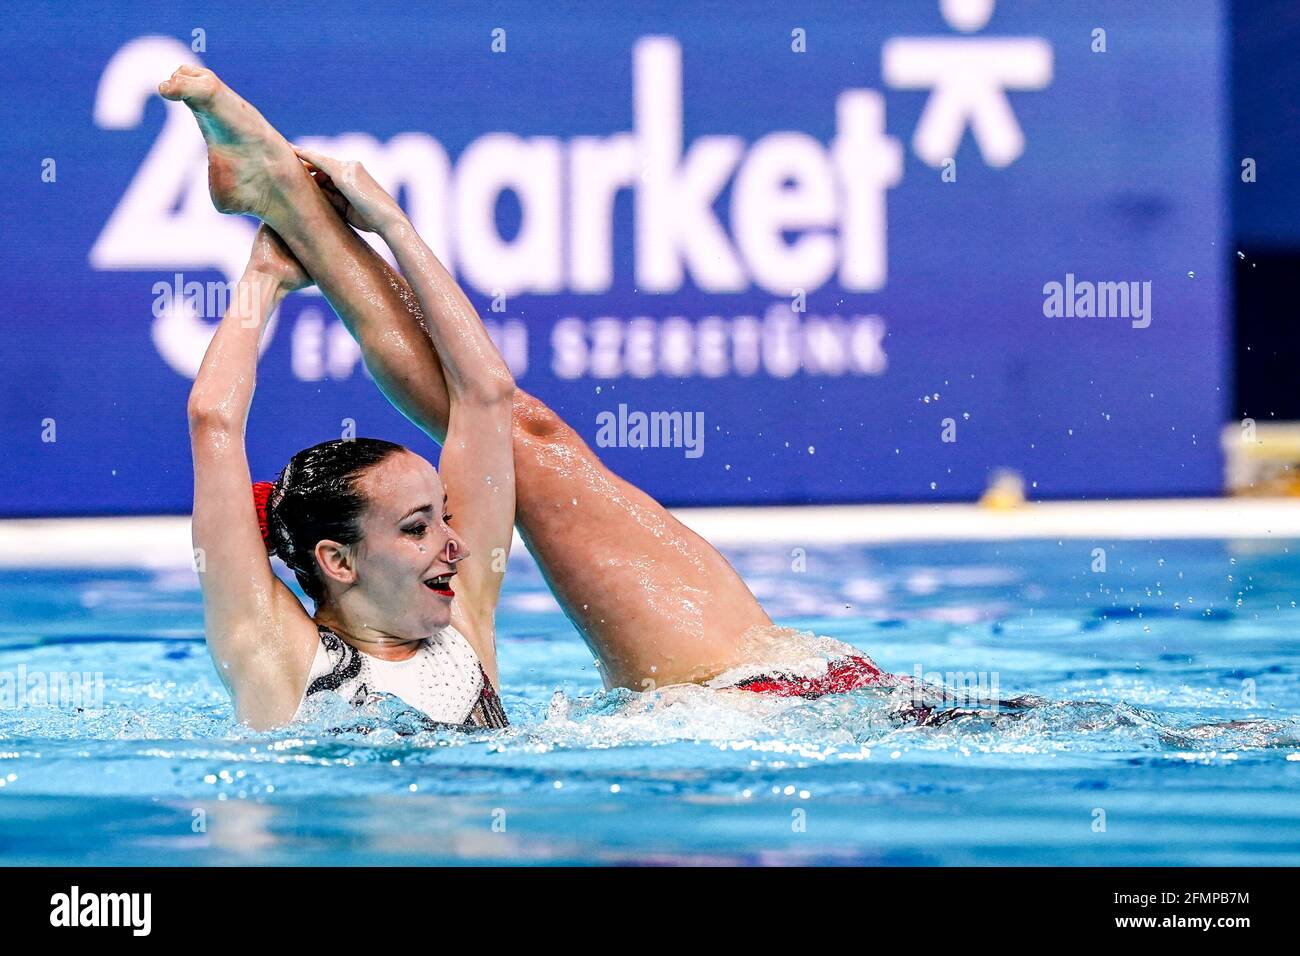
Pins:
x,y
404,563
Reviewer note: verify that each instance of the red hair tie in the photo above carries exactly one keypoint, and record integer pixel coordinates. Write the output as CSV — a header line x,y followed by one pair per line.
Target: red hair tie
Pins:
x,y
261,492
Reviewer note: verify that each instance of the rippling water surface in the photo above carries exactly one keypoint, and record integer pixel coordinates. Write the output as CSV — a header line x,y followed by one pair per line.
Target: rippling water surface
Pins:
x,y
1168,730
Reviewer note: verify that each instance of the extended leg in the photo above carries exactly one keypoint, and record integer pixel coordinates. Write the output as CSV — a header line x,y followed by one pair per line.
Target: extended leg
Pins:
x,y
656,603
251,168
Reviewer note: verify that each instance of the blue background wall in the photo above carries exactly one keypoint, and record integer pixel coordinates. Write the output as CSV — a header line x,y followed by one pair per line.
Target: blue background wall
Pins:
x,y
1124,176
1266,213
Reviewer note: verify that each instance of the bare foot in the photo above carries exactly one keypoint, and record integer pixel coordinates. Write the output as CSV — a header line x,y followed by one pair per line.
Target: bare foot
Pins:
x,y
245,153
272,257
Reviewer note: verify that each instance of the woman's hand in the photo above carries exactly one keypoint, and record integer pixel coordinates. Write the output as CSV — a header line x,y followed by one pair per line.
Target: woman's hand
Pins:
x,y
271,257
352,191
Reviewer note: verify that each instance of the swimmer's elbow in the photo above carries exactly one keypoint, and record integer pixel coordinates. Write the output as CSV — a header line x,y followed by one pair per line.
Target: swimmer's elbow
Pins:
x,y
209,416
504,393
495,389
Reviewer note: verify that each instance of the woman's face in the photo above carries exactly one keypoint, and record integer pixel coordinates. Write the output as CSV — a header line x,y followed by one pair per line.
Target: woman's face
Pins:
x,y
407,552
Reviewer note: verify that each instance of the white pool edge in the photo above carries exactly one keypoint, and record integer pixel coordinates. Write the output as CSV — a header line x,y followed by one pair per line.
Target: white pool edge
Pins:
x,y
164,542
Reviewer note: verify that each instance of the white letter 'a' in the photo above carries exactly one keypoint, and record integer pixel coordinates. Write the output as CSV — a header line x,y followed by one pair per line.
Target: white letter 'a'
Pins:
x,y
533,260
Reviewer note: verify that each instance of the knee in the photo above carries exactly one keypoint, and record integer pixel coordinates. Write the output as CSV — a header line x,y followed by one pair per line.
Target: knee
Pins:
x,y
535,418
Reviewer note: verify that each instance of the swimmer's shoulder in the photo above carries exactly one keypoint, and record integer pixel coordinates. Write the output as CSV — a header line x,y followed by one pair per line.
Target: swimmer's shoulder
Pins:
x,y
480,637
269,677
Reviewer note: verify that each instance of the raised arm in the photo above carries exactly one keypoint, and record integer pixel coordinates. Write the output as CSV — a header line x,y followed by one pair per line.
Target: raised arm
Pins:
x,y
477,463
260,637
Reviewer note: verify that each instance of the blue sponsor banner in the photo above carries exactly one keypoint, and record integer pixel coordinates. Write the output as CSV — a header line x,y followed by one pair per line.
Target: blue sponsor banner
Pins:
x,y
850,253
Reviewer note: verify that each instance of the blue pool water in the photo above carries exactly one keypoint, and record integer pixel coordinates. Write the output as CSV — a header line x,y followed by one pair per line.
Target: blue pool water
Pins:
x,y
1170,732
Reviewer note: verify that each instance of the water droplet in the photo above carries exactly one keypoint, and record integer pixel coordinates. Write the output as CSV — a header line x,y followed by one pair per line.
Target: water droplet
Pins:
x,y
1191,275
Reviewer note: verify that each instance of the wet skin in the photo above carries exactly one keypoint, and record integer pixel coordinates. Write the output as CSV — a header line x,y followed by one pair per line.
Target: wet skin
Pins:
x,y
655,602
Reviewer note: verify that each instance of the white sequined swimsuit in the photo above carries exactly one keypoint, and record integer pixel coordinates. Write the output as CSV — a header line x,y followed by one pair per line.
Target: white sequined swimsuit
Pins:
x,y
444,680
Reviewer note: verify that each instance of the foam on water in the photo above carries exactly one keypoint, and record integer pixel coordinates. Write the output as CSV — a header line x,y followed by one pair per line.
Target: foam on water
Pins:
x,y
1182,726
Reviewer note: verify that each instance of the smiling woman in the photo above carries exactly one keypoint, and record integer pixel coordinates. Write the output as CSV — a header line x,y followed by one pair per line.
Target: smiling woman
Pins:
x,y
317,498
363,524
361,510
657,604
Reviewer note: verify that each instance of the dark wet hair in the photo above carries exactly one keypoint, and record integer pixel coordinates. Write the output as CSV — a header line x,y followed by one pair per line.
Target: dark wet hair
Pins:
x,y
316,499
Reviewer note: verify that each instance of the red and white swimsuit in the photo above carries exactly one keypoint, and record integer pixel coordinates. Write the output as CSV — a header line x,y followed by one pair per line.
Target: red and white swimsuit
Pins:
x,y
842,675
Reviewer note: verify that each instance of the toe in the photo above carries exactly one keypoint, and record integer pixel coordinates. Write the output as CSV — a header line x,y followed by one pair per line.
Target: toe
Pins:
x,y
189,83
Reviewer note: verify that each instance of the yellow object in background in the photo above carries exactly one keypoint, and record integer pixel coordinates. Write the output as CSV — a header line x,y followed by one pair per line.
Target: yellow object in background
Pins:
x,y
1005,491
1262,458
